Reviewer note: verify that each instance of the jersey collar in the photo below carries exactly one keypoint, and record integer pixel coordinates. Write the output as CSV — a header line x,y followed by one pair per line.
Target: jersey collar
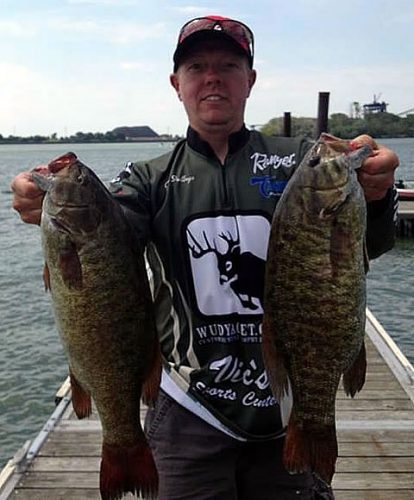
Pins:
x,y
236,141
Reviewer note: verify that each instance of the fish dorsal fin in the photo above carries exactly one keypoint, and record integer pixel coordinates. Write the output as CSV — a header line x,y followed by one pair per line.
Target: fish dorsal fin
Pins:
x,y
366,258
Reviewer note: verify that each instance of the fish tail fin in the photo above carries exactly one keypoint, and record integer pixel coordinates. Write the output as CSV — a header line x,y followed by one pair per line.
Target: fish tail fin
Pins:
x,y
81,400
306,448
126,469
354,378
274,363
153,377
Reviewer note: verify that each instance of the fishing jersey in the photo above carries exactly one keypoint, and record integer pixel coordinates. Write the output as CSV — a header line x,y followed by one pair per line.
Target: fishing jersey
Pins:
x,y
206,228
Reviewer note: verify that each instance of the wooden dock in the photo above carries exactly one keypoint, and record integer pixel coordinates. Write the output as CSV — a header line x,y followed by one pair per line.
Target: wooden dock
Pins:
x,y
375,433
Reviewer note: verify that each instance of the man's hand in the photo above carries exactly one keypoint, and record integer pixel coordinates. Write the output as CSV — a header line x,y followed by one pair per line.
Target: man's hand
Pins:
x,y
27,197
376,175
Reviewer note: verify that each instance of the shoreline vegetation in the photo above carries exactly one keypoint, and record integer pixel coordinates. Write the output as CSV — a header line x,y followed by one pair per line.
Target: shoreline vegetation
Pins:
x,y
140,133
81,137
378,125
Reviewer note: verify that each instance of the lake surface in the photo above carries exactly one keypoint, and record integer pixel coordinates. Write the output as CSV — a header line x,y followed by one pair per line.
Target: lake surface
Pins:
x,y
32,363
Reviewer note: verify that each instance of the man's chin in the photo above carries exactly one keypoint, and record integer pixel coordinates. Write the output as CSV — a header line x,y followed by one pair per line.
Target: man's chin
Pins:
x,y
217,121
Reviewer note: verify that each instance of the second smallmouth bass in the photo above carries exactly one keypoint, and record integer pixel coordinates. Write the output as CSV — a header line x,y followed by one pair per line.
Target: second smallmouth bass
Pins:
x,y
315,299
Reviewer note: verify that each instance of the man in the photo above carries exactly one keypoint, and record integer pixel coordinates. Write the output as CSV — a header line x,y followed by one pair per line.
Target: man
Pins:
x,y
204,211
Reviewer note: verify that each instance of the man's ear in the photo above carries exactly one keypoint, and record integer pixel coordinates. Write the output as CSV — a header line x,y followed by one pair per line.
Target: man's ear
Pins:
x,y
175,84
252,80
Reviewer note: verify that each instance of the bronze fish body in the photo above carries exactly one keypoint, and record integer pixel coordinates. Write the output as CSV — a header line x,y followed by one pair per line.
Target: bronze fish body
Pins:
x,y
315,298
96,274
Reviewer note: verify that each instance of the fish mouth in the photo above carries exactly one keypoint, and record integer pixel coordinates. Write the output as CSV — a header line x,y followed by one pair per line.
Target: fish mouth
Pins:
x,y
333,187
71,205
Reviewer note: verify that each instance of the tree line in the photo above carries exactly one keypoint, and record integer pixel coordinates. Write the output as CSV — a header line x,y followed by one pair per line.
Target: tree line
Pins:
x,y
79,137
379,125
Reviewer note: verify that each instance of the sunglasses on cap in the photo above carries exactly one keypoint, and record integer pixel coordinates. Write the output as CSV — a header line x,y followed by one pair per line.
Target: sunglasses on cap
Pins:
x,y
236,30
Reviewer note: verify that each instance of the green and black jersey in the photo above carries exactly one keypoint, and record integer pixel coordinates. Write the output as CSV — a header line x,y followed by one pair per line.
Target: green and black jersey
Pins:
x,y
206,227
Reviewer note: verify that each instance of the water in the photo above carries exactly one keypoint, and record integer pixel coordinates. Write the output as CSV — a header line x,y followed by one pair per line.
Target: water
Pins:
x,y
32,363
391,276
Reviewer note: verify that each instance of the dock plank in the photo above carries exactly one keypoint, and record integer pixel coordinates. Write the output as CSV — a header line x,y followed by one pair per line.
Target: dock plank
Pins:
x,y
375,464
47,480
375,449
59,494
89,446
376,436
369,404
369,480
374,394
373,495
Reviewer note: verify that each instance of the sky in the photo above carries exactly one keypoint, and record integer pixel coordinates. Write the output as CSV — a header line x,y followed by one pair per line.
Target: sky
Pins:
x,y
93,65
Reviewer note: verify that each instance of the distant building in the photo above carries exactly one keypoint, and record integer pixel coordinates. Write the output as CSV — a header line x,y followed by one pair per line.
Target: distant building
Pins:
x,y
141,133
375,106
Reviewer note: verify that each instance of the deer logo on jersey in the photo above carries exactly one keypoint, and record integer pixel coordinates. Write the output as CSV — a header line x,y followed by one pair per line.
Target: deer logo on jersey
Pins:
x,y
227,266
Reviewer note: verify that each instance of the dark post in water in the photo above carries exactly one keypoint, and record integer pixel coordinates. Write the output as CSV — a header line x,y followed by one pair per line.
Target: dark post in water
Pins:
x,y
323,107
287,125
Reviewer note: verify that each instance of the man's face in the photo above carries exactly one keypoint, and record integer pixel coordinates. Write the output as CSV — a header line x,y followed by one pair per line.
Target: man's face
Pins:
x,y
213,83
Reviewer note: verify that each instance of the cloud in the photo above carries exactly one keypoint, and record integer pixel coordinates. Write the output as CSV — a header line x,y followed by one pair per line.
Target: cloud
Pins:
x,y
34,103
115,32
193,10
118,3
136,65
21,92
17,29
402,16
297,90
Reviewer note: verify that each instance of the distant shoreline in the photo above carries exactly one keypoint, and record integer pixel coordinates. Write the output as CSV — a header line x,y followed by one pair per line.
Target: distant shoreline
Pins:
x,y
74,141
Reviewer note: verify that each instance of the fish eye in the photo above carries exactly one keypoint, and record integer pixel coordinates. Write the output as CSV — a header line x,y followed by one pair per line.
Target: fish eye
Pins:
x,y
82,179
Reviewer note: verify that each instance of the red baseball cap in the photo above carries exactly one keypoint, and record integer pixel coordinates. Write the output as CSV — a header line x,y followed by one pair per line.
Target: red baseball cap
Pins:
x,y
211,27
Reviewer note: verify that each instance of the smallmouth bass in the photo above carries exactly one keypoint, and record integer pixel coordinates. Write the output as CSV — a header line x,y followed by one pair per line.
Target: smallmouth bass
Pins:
x,y
96,274
315,299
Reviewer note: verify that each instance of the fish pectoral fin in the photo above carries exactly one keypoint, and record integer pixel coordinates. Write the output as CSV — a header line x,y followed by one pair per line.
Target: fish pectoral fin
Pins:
x,y
153,377
46,277
333,208
81,399
354,378
70,267
126,469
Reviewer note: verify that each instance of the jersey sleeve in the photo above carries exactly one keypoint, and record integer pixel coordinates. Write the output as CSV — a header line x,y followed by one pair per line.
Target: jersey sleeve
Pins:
x,y
381,224
132,189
